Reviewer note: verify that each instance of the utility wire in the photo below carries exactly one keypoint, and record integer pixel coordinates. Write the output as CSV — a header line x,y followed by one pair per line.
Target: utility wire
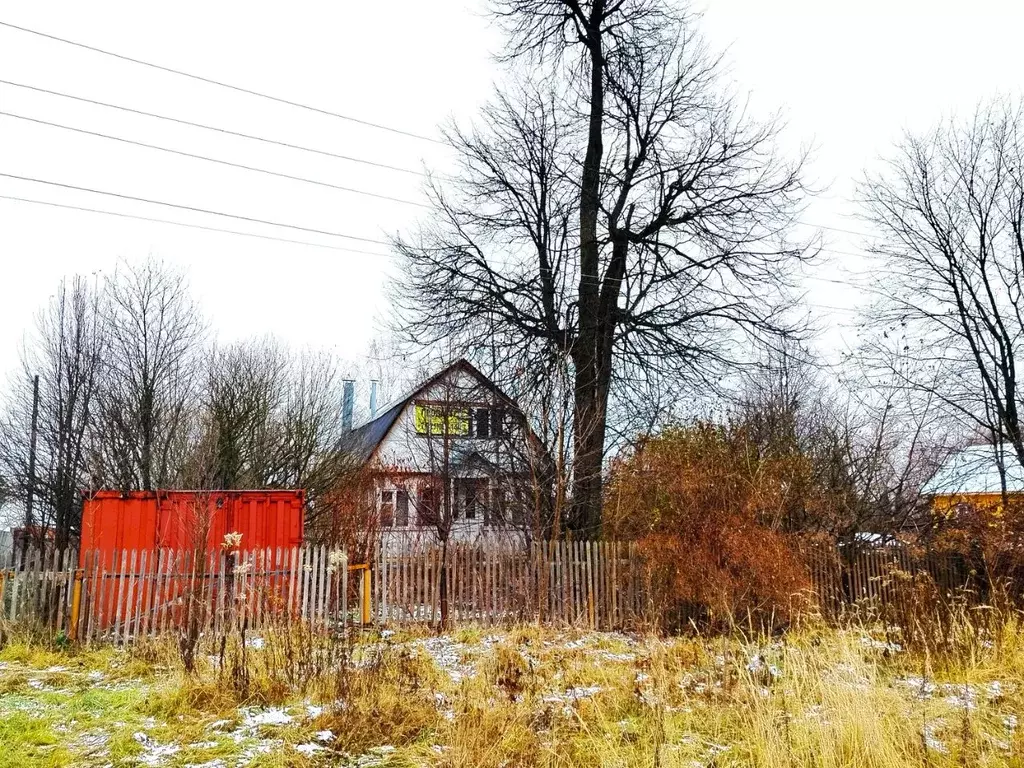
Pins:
x,y
226,131
190,226
118,214
211,81
214,160
299,147
278,99
194,209
835,229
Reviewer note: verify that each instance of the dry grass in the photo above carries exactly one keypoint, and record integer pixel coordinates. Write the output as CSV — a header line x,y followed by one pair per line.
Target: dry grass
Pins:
x,y
527,697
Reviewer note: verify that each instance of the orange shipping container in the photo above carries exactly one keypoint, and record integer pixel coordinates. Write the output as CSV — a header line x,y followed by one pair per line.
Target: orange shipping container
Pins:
x,y
114,522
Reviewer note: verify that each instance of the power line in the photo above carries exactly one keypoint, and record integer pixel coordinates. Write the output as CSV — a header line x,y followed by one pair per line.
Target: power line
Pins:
x,y
194,209
203,126
835,229
214,160
270,237
211,81
259,94
190,226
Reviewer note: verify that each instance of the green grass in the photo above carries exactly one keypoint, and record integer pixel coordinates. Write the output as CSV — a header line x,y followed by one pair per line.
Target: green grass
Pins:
x,y
817,697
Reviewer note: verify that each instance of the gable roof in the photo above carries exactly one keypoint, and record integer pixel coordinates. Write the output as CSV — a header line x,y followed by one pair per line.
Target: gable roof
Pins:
x,y
359,445
975,469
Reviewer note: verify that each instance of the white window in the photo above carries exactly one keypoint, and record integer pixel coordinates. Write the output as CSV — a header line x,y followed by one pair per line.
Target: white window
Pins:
x,y
401,508
471,498
387,508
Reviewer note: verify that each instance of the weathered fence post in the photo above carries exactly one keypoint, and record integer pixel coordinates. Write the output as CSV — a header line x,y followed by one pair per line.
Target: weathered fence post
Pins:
x,y
366,596
76,604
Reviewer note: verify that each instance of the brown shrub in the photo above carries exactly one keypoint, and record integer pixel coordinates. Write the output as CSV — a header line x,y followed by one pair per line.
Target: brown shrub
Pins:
x,y
707,511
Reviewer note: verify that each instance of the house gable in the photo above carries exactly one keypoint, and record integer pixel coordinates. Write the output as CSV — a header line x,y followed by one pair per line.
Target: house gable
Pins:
x,y
391,440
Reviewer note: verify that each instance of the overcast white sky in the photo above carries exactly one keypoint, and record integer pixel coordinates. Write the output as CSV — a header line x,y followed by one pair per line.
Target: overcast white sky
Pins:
x,y
848,78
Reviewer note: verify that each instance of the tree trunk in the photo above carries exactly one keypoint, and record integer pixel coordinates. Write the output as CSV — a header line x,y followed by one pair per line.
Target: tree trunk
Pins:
x,y
147,428
588,433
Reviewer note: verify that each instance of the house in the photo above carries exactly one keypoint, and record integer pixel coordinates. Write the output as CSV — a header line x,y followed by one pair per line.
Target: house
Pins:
x,y
976,476
452,460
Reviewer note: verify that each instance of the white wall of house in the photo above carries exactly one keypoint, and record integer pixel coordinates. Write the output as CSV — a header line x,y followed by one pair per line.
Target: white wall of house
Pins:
x,y
411,462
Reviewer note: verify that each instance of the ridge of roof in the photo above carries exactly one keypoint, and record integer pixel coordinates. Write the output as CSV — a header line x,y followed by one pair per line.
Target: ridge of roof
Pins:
x,y
360,443
976,469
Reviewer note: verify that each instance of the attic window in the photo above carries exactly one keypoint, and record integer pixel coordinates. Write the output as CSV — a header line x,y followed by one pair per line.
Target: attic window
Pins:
x,y
488,422
483,422
442,420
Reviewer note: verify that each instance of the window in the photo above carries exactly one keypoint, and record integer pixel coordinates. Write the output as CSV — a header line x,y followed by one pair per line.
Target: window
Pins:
x,y
442,420
471,498
387,509
429,507
518,509
402,509
483,422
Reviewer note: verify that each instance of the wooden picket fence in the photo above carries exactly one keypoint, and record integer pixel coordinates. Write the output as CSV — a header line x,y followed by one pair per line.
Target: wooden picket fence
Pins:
x,y
870,576
132,594
37,586
595,584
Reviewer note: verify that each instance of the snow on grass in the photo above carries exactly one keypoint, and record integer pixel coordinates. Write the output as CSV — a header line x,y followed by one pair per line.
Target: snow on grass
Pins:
x,y
153,752
253,719
701,688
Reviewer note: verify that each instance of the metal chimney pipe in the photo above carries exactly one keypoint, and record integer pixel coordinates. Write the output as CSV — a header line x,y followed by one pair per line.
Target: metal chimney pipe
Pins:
x,y
373,399
348,398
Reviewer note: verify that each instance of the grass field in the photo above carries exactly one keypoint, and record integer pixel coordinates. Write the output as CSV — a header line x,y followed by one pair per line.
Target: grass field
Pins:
x,y
522,697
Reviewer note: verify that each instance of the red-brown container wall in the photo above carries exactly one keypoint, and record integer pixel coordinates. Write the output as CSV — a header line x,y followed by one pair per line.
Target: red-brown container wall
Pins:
x,y
113,523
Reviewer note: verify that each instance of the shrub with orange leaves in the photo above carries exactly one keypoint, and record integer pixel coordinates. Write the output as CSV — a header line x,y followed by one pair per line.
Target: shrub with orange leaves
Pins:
x,y
986,533
707,512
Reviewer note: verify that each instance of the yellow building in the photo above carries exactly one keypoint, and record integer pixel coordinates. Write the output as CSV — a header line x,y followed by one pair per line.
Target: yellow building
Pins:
x,y
976,476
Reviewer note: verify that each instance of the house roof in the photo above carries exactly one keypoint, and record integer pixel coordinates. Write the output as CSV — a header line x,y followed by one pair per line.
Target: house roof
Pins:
x,y
360,444
975,469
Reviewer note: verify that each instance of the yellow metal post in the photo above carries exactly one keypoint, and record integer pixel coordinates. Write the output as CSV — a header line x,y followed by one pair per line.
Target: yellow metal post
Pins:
x,y
76,603
366,596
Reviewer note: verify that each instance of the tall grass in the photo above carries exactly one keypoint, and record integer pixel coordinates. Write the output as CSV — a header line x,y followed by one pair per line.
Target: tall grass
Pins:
x,y
929,683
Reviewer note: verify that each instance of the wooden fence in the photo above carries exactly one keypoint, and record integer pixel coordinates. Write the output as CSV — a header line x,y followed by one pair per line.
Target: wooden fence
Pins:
x,y
132,594
596,584
870,576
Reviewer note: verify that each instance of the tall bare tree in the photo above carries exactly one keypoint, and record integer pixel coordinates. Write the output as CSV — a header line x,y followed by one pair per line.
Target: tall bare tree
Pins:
x,y
151,370
310,423
268,417
949,208
615,208
65,351
243,394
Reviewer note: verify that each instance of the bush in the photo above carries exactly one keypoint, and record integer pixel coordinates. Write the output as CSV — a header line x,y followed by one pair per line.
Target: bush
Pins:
x,y
707,511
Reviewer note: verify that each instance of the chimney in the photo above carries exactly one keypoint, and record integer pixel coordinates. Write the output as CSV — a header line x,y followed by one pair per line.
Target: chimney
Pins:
x,y
373,399
348,398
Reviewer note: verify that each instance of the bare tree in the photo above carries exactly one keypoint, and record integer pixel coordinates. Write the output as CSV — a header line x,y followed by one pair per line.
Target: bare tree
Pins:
x,y
618,211
65,352
152,367
858,448
310,424
271,418
243,397
950,267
